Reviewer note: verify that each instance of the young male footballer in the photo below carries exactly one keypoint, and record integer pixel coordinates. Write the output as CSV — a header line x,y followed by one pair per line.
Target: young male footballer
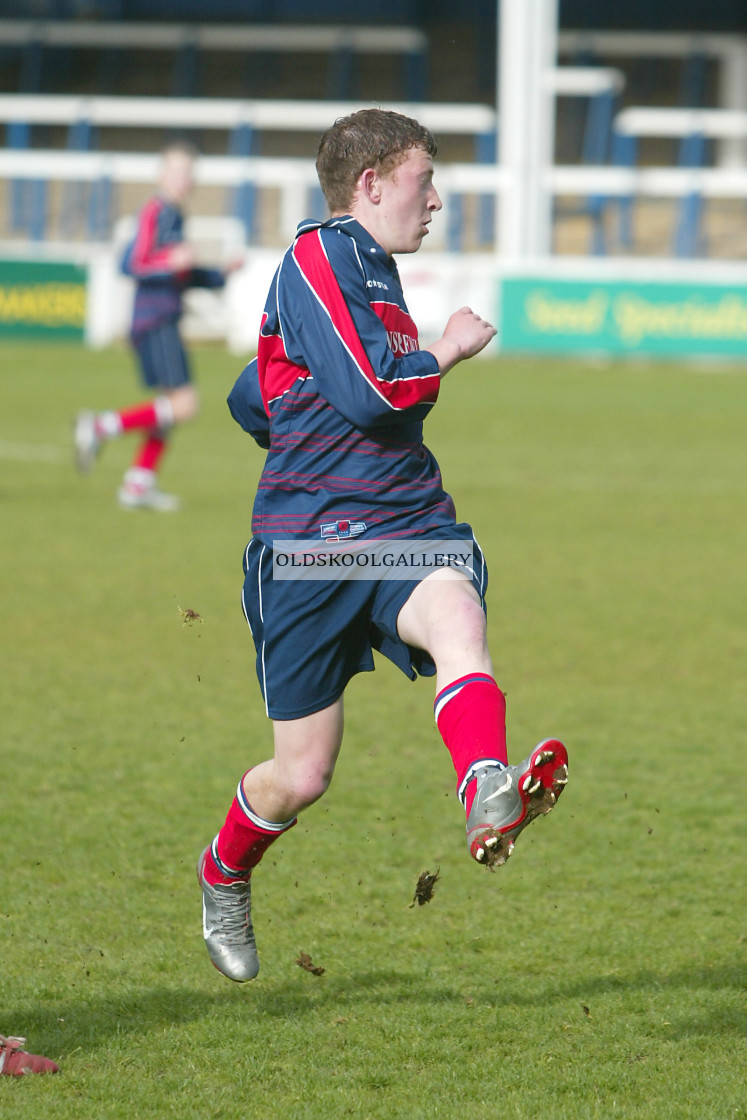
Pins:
x,y
163,265
337,395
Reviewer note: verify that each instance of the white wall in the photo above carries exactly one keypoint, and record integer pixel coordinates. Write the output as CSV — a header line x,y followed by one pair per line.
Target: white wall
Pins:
x,y
435,285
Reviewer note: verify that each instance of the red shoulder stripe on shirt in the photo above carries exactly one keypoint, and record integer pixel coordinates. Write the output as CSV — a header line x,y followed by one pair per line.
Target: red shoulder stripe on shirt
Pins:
x,y
313,263
277,373
147,256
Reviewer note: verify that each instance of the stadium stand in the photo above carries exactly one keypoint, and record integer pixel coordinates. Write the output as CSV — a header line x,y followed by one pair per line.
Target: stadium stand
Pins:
x,y
187,44
240,120
74,55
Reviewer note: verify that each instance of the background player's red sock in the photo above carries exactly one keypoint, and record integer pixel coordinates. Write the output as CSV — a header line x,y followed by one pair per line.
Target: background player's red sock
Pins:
x,y
155,414
150,453
139,416
241,843
471,716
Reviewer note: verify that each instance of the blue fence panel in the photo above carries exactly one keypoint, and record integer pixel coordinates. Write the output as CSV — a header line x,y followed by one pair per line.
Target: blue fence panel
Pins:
x,y
688,240
243,199
28,197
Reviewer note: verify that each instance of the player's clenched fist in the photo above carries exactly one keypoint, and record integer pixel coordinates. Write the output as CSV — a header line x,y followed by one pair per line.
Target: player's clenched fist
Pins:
x,y
466,334
473,332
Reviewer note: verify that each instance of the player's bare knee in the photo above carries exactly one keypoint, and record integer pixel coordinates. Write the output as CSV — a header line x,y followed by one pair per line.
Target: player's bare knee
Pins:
x,y
308,786
447,617
185,404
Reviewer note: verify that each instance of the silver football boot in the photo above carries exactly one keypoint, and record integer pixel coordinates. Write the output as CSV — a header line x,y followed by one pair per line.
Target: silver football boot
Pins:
x,y
227,926
87,441
148,497
507,800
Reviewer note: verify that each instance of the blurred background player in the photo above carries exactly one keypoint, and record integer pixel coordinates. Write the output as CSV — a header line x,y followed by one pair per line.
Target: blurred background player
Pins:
x,y
17,1062
338,394
163,266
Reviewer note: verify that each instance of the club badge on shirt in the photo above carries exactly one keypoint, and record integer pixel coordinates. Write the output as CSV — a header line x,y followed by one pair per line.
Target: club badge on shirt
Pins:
x,y
342,530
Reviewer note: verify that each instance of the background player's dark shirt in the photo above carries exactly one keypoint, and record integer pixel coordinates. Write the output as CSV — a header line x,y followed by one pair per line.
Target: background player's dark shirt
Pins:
x,y
158,293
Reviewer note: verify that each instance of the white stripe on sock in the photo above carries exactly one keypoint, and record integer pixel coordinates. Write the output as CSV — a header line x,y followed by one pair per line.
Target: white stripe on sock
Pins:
x,y
260,822
474,770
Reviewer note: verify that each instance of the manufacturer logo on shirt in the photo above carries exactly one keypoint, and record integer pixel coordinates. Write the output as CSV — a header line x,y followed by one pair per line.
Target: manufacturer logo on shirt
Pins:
x,y
342,530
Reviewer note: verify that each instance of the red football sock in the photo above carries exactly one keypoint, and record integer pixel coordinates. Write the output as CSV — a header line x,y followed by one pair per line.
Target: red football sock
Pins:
x,y
241,843
139,416
150,453
471,716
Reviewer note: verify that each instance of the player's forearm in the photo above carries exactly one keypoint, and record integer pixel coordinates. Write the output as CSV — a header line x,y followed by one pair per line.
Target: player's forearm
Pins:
x,y
447,353
466,334
207,278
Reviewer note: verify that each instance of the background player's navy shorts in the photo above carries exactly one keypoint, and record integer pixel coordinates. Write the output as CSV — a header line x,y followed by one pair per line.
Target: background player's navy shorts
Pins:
x,y
163,359
312,636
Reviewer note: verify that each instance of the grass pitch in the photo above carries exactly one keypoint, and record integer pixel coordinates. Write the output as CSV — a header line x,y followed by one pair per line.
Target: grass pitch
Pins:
x,y
601,973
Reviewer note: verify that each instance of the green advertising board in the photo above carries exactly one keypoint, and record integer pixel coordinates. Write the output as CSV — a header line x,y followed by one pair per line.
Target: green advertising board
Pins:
x,y
42,299
622,317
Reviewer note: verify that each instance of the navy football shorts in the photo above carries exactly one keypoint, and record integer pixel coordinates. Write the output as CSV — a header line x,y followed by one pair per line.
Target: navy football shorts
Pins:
x,y
312,637
163,359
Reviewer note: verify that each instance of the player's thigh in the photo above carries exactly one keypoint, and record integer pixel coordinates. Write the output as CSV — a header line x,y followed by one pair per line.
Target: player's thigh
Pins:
x,y
443,610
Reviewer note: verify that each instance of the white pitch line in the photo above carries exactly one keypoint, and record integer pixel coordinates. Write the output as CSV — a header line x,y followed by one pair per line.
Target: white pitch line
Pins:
x,y
31,452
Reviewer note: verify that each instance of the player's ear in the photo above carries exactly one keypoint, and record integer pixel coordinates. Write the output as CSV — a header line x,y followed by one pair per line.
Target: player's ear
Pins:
x,y
369,185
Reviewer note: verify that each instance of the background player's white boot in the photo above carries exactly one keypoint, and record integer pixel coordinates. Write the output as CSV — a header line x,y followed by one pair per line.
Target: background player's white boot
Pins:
x,y
139,491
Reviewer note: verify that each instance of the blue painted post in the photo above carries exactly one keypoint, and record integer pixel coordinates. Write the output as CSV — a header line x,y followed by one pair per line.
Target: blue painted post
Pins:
x,y
692,151
415,65
28,197
18,135
32,60
37,209
687,238
100,209
455,224
184,79
693,81
73,201
486,148
340,74
624,154
317,204
244,197
595,150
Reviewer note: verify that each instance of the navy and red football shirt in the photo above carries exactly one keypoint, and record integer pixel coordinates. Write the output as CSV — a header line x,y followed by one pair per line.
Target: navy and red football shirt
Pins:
x,y
338,393
159,289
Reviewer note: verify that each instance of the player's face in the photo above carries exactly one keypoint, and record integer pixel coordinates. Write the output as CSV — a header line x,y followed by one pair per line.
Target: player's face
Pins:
x,y
408,202
177,176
